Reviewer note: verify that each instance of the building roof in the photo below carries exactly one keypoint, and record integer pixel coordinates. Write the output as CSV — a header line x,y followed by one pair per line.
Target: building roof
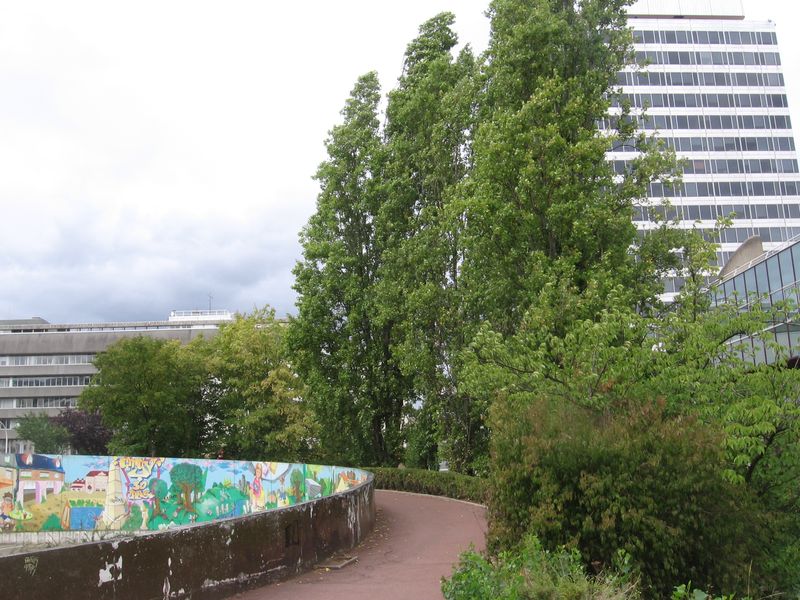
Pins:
x,y
189,319
691,9
96,473
21,322
751,256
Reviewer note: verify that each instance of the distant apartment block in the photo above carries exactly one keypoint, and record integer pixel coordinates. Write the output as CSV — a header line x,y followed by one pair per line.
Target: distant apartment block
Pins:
x,y
45,366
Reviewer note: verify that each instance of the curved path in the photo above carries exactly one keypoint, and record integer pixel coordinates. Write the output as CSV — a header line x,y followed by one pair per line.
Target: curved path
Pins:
x,y
416,541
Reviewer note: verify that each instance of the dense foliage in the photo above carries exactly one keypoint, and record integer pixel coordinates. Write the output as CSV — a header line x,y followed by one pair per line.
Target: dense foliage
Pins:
x,y
340,347
87,433
256,397
72,430
534,573
233,394
487,181
47,436
473,290
435,483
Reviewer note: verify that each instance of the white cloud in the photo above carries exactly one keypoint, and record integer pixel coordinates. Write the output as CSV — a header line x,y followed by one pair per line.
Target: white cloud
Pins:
x,y
154,153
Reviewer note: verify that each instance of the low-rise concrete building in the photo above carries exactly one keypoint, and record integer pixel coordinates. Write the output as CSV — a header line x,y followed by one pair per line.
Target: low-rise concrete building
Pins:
x,y
45,366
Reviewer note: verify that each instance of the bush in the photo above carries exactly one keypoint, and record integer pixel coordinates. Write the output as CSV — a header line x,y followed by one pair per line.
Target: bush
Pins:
x,y
534,573
633,479
436,483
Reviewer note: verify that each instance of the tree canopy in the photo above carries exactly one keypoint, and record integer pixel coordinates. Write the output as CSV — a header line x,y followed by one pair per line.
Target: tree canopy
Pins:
x,y
233,395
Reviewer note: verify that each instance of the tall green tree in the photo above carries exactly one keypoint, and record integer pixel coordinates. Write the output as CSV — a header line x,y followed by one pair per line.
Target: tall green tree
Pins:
x,y
545,204
150,393
255,393
429,124
341,350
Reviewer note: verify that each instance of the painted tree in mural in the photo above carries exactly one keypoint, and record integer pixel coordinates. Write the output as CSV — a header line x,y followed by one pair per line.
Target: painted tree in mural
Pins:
x,y
187,482
296,479
160,490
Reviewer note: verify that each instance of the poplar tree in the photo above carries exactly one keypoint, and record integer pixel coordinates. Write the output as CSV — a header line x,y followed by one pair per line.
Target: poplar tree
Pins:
x,y
341,350
429,123
545,205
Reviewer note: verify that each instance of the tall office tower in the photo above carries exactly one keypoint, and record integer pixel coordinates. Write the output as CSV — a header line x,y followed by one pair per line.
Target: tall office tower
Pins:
x,y
714,91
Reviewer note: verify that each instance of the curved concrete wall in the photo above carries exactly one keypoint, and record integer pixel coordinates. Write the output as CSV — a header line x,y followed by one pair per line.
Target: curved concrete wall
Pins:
x,y
103,494
200,527
201,561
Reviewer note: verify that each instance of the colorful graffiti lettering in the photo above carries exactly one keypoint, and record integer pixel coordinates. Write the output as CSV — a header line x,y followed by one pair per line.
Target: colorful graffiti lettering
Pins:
x,y
137,467
51,493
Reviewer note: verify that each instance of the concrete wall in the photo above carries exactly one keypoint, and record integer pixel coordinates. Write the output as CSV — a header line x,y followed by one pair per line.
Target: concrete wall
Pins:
x,y
61,495
201,561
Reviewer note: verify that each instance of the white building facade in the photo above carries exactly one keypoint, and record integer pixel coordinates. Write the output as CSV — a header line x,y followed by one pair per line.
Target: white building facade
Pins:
x,y
714,91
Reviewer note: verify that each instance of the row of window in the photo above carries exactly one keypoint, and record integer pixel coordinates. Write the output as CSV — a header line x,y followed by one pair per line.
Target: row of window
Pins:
x,y
672,78
35,360
55,381
704,100
764,38
726,166
657,57
710,212
49,402
662,122
724,189
734,166
737,235
719,144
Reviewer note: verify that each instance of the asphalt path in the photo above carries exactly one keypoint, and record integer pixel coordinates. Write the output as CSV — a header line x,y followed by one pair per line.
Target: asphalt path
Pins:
x,y
416,542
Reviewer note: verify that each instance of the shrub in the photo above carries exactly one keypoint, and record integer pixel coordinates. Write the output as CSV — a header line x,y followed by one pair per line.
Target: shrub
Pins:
x,y
531,572
436,483
633,479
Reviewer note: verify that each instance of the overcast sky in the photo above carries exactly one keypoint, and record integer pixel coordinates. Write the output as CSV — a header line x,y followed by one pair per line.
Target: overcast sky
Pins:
x,y
155,153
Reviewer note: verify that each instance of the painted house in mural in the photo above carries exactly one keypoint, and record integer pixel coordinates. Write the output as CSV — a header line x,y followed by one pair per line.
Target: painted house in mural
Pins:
x,y
96,481
30,475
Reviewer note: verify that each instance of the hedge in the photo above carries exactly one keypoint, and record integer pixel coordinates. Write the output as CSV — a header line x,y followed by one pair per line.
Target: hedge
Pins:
x,y
435,483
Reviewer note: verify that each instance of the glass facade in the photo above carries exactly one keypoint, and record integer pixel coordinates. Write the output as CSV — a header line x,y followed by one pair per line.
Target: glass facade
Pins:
x,y
712,89
772,278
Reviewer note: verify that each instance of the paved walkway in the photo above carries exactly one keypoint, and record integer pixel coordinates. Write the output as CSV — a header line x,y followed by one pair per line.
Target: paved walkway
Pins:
x,y
416,541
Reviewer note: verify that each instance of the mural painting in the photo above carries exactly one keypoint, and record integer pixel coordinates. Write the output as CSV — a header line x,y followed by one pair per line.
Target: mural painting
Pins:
x,y
83,493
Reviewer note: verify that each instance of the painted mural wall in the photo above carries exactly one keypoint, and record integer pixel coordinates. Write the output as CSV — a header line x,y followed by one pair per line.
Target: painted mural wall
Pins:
x,y
125,493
